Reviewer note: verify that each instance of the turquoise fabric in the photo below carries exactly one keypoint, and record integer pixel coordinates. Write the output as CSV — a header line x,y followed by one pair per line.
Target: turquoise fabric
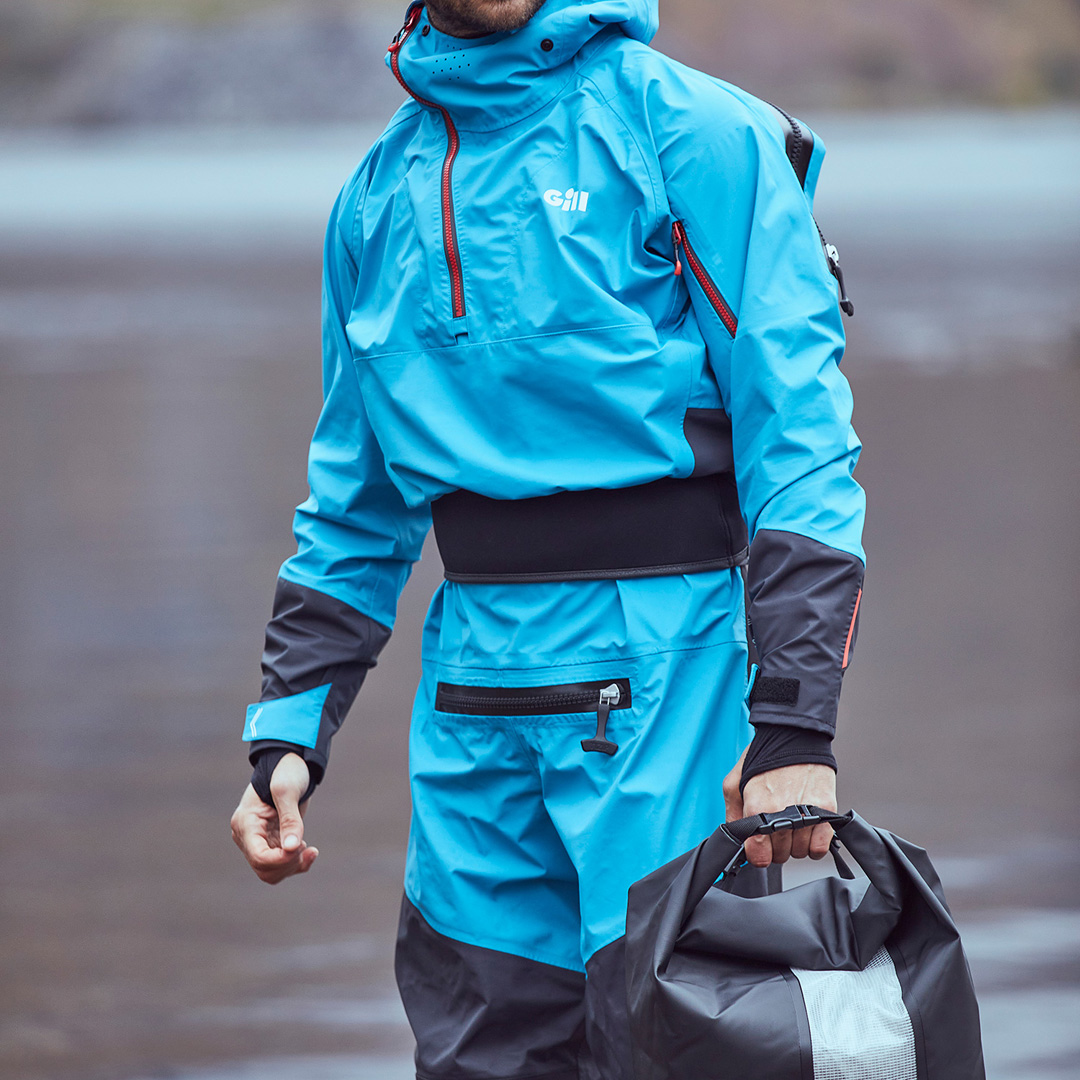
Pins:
x,y
520,841
580,349
292,719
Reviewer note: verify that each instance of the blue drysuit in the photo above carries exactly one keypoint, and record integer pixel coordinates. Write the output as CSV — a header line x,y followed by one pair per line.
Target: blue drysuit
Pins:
x,y
568,265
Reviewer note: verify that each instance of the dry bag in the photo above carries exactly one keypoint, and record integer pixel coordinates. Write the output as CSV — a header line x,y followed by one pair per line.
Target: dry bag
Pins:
x,y
832,980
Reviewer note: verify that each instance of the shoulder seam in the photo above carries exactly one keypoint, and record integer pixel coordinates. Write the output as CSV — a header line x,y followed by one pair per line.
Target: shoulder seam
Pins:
x,y
606,100
395,122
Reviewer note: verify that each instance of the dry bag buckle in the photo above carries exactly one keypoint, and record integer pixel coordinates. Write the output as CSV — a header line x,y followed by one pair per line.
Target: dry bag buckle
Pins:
x,y
782,819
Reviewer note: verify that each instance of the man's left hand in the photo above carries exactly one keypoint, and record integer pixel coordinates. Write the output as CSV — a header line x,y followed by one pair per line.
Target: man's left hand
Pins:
x,y
769,792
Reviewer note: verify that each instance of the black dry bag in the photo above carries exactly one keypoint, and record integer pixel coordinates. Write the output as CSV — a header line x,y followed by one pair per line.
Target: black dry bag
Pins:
x,y
832,980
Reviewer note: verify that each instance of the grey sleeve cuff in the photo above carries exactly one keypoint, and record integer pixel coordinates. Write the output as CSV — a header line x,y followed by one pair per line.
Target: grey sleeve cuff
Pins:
x,y
804,604
314,642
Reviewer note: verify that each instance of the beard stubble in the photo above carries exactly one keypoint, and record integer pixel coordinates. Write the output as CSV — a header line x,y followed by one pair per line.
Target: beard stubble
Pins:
x,y
474,18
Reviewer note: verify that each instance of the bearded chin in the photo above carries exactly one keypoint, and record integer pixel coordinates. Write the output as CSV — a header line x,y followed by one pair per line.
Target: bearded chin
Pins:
x,y
476,17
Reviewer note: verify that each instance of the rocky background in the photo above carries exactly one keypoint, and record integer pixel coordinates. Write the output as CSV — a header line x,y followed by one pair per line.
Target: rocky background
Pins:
x,y
108,62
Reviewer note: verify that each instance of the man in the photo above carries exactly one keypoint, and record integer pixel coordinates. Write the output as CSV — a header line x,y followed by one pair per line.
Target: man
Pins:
x,y
576,310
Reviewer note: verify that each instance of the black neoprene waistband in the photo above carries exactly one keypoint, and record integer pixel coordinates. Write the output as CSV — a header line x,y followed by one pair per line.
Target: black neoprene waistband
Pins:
x,y
666,527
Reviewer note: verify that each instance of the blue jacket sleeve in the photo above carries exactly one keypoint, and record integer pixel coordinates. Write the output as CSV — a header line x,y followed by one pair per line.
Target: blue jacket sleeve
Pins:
x,y
768,308
356,543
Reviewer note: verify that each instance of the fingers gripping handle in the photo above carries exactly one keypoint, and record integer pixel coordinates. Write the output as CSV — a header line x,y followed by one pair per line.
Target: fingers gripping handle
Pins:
x,y
722,853
794,817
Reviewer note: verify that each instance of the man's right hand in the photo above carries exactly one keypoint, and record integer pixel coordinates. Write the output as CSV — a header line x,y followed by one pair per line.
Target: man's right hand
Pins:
x,y
272,840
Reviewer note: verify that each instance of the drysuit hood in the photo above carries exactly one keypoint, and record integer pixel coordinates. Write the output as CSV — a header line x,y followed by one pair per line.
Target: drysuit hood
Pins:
x,y
490,82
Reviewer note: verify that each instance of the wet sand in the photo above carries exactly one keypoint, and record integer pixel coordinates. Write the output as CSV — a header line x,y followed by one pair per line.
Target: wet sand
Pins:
x,y
154,416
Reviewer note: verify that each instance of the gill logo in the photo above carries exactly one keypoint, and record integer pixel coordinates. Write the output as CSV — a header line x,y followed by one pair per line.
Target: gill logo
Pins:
x,y
570,199
258,713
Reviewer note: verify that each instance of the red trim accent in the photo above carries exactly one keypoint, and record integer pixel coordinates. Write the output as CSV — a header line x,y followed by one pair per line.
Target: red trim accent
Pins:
x,y
453,144
851,630
720,305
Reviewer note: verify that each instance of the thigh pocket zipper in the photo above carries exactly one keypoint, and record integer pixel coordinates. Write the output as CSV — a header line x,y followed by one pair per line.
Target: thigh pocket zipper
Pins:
x,y
600,697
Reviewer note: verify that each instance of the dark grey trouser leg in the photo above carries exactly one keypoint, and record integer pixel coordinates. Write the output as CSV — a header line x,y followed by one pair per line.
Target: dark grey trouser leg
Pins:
x,y
480,1014
607,1029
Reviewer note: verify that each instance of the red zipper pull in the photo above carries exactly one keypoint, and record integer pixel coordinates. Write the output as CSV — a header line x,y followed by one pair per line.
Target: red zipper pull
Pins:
x,y
677,238
412,17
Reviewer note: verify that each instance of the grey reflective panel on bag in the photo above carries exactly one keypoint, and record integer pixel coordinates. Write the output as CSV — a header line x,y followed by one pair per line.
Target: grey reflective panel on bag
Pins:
x,y
859,1026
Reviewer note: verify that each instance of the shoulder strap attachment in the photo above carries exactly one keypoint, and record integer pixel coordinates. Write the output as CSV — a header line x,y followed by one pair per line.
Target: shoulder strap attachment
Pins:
x,y
799,143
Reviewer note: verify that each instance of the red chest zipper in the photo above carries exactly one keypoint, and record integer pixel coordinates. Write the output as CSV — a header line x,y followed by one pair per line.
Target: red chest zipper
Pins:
x,y
708,286
453,144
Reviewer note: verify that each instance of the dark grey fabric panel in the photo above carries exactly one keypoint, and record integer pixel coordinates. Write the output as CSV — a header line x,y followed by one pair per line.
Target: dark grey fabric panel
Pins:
x,y
753,881
313,639
806,1047
803,596
936,982
607,1026
731,1020
486,1015
708,431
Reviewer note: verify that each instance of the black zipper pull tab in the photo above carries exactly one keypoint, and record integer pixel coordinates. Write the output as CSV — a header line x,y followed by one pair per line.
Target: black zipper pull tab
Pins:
x,y
599,743
412,17
846,306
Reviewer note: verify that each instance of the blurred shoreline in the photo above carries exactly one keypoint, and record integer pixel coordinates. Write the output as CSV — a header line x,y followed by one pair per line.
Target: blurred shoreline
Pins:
x,y
99,63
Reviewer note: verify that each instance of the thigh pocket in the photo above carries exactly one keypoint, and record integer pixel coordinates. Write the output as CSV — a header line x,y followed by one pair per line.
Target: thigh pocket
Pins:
x,y
599,698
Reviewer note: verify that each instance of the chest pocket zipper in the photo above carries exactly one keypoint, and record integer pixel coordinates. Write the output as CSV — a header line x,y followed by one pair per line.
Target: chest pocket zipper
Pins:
x,y
600,697
697,268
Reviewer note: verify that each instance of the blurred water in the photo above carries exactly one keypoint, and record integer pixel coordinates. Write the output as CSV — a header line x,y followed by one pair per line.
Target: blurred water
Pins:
x,y
989,177
309,1068
159,379
249,187
994,177
1029,1033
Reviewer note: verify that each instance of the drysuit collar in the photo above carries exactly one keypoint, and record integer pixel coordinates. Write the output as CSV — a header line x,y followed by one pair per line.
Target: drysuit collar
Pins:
x,y
489,82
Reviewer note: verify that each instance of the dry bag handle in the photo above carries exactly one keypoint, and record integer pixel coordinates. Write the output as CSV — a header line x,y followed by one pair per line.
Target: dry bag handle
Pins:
x,y
723,855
